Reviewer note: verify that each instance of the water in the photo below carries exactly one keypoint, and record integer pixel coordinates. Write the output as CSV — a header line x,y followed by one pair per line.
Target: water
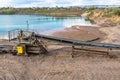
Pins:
x,y
38,23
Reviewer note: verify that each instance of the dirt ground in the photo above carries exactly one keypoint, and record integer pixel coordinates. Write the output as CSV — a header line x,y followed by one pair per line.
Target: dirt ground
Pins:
x,y
58,63
83,33
55,66
113,34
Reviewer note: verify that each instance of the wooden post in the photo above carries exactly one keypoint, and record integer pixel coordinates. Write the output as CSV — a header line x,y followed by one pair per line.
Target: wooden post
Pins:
x,y
9,35
72,51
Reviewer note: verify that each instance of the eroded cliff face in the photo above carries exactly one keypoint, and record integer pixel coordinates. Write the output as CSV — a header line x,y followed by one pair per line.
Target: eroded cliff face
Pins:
x,y
102,18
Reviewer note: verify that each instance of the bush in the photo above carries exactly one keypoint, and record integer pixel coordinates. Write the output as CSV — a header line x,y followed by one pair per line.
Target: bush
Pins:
x,y
116,11
91,8
8,11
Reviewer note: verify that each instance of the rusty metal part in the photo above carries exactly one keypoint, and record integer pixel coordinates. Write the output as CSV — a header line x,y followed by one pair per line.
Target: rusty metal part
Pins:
x,y
28,42
91,50
6,48
93,39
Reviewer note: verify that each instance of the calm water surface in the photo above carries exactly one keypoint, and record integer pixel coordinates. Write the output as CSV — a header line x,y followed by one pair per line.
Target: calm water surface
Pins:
x,y
9,22
38,23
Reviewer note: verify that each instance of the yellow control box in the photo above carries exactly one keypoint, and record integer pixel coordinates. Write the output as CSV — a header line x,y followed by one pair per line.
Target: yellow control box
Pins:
x,y
20,50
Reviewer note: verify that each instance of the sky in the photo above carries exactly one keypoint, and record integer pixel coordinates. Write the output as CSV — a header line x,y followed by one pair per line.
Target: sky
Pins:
x,y
53,3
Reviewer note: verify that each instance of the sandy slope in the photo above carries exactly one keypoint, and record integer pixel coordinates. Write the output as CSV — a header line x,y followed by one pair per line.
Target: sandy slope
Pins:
x,y
113,34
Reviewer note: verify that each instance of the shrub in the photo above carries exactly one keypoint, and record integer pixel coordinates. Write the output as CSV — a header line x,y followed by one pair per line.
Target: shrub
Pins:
x,y
116,11
8,11
91,8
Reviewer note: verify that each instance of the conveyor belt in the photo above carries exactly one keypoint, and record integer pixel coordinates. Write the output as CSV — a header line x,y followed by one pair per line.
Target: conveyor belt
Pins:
x,y
72,42
78,43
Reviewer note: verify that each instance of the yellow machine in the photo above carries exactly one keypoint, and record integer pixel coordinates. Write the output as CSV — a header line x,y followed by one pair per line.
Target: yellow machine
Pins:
x,y
21,49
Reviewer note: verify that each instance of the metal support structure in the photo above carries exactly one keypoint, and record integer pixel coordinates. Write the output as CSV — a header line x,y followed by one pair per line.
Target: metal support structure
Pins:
x,y
72,51
27,25
75,43
27,43
9,35
109,50
92,50
79,43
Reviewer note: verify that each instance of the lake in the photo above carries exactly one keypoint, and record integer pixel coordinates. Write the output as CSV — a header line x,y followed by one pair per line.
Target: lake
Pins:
x,y
38,22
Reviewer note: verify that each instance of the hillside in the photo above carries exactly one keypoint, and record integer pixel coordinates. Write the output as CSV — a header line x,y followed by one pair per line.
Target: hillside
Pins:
x,y
104,17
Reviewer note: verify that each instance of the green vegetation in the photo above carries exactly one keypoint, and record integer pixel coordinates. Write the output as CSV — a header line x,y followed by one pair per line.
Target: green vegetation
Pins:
x,y
92,8
51,11
58,11
116,11
113,11
8,11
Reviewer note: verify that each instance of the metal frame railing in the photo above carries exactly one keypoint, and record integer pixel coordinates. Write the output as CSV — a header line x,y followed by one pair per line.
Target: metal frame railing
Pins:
x,y
3,35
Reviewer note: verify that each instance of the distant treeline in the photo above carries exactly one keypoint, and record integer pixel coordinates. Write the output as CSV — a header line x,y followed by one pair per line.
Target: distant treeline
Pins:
x,y
43,11
57,11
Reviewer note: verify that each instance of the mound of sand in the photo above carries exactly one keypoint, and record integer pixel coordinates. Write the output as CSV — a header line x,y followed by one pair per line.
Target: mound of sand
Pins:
x,y
83,33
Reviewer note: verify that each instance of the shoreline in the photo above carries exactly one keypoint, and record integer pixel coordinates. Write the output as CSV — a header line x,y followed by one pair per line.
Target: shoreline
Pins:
x,y
88,33
84,33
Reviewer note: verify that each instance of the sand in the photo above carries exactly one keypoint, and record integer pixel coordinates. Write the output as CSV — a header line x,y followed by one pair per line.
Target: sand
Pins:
x,y
83,33
87,66
113,34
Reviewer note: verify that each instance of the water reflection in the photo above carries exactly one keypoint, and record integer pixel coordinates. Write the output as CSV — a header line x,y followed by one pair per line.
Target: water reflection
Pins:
x,y
72,22
39,23
9,22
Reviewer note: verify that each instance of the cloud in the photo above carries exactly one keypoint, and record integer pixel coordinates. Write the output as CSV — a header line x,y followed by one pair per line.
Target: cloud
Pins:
x,y
4,3
53,3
